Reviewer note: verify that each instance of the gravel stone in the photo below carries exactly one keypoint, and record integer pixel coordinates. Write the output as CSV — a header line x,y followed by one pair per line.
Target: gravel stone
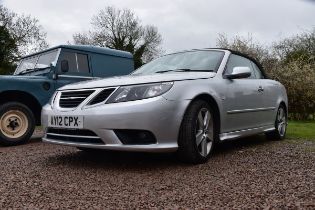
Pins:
x,y
243,174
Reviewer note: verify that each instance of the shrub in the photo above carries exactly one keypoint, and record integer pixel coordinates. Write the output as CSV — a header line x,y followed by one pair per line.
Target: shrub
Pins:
x,y
298,78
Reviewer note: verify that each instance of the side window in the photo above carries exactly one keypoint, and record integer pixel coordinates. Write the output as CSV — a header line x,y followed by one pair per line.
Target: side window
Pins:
x,y
70,57
78,63
258,72
239,61
83,64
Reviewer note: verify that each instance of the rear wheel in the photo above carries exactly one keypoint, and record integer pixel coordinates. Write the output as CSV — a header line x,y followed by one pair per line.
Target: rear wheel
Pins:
x,y
197,133
17,124
281,123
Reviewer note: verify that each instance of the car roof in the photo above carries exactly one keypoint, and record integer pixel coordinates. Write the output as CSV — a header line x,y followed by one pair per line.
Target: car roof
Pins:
x,y
89,48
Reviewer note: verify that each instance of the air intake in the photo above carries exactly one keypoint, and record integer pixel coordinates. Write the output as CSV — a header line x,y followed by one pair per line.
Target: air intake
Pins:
x,y
102,96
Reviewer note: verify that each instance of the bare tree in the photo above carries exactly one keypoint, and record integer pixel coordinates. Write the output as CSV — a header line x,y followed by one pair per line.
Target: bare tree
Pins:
x,y
122,30
249,46
25,31
298,47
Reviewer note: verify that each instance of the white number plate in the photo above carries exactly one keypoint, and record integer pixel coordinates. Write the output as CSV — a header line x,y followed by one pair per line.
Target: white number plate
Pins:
x,y
65,121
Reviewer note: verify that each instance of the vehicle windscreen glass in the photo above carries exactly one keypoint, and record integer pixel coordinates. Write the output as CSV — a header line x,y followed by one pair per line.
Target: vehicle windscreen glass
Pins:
x,y
27,63
40,61
203,60
45,59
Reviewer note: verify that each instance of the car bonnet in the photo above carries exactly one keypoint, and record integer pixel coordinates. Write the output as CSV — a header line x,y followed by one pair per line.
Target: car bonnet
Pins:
x,y
138,79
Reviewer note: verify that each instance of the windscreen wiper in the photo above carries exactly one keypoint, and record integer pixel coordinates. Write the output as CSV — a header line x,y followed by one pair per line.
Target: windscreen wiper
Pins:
x,y
31,70
184,70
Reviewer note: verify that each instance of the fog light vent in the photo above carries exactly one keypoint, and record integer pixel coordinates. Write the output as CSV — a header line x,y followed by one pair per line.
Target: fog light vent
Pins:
x,y
135,137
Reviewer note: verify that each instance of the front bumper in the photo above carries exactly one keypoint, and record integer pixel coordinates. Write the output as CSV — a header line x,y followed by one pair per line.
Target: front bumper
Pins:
x,y
157,115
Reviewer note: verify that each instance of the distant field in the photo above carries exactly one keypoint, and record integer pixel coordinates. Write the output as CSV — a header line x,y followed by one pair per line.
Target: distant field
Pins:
x,y
301,130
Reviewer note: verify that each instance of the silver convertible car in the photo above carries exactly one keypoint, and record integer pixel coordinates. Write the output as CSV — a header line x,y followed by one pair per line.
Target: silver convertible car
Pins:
x,y
184,102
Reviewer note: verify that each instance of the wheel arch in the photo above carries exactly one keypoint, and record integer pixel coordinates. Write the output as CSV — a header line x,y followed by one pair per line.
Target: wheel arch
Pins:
x,y
213,103
25,98
284,104
285,107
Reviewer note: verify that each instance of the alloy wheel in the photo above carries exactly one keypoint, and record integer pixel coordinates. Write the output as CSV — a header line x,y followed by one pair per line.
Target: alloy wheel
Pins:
x,y
204,132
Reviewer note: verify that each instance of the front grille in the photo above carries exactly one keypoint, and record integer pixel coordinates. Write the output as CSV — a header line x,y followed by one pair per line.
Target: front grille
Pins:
x,y
102,96
73,136
72,99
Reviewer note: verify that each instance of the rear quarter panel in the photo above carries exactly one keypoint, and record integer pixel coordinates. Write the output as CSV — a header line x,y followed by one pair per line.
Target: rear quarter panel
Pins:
x,y
275,94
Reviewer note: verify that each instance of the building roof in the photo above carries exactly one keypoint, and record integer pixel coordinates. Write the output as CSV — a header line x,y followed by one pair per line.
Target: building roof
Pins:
x,y
92,49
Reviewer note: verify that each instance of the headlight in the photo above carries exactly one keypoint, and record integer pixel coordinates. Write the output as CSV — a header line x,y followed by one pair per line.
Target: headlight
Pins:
x,y
137,92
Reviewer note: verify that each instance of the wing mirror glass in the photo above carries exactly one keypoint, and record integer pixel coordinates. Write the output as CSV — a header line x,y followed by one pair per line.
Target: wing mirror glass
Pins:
x,y
64,66
239,73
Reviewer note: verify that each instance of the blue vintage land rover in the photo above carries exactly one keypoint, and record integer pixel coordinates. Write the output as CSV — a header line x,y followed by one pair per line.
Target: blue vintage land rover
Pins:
x,y
37,76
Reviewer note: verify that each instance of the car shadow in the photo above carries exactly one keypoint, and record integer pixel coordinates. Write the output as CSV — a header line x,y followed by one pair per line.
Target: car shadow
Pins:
x,y
141,160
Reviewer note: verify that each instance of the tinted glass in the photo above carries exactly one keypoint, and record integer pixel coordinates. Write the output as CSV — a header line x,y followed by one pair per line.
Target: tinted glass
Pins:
x,y
239,61
193,60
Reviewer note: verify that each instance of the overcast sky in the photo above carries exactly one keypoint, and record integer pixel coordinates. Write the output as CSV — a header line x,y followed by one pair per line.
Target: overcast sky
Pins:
x,y
184,24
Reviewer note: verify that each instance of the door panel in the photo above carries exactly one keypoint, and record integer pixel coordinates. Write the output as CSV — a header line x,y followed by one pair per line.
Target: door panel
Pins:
x,y
79,67
269,96
241,104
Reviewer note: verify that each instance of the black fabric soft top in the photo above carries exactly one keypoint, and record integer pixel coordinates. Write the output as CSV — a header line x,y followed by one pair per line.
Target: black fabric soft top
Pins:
x,y
248,57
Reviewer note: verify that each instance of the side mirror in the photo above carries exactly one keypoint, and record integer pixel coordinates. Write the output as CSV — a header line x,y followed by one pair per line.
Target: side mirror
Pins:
x,y
64,66
239,73
53,70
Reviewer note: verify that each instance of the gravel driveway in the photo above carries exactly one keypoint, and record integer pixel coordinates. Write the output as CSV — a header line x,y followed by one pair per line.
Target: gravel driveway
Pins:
x,y
247,173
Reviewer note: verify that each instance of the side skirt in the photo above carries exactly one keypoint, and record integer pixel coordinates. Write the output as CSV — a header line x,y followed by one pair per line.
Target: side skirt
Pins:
x,y
246,132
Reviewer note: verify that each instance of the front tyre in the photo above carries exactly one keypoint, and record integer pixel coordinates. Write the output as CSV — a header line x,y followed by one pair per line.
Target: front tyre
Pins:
x,y
17,124
281,123
196,136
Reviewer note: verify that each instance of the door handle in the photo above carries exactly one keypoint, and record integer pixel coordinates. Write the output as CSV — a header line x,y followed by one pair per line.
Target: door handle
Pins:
x,y
260,89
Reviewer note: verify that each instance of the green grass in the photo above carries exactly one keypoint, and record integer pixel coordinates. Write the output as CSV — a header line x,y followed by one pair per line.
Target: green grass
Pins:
x,y
301,130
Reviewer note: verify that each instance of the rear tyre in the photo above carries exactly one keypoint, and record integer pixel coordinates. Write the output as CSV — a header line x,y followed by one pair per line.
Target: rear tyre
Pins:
x,y
197,133
281,123
17,124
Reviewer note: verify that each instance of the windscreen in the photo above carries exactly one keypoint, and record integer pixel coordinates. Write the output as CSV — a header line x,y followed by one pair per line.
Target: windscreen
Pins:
x,y
40,61
202,60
